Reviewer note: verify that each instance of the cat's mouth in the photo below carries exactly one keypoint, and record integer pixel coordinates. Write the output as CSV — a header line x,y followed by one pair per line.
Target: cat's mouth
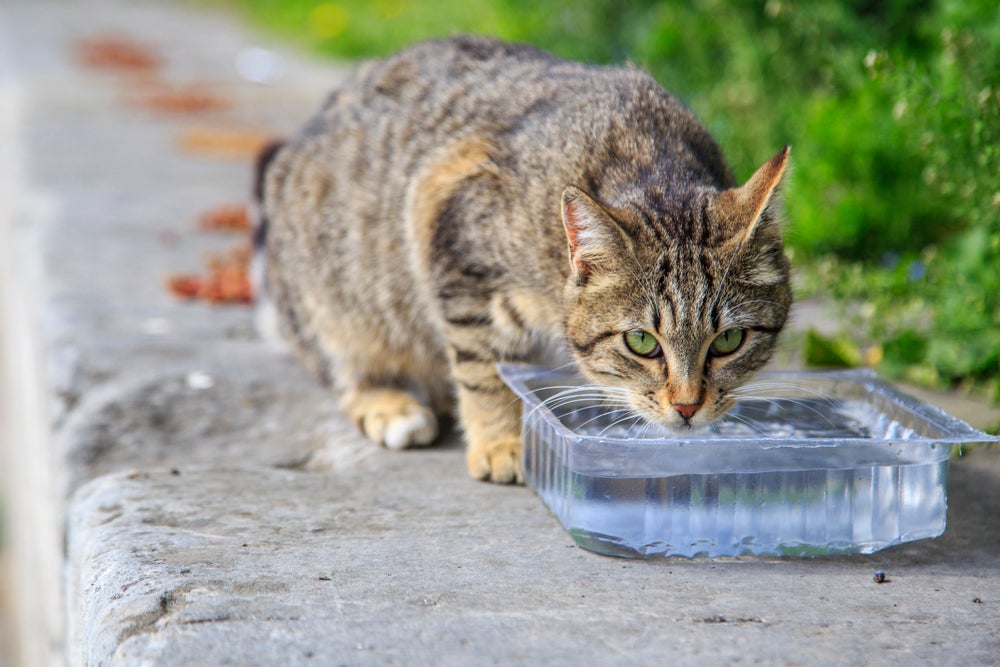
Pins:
x,y
682,418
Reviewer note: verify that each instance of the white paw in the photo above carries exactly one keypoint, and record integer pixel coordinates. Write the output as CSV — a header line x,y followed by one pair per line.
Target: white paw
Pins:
x,y
415,428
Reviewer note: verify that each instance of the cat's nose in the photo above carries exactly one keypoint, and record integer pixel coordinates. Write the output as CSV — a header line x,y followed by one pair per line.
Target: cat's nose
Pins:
x,y
687,410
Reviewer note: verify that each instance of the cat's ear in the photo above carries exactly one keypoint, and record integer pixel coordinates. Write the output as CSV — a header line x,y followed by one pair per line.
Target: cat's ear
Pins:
x,y
595,240
754,206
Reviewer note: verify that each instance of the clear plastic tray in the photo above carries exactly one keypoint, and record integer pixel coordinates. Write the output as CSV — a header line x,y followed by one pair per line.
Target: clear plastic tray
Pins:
x,y
827,463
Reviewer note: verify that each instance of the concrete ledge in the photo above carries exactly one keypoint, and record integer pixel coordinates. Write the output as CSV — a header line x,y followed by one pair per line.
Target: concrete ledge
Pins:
x,y
252,409
255,566
177,493
259,566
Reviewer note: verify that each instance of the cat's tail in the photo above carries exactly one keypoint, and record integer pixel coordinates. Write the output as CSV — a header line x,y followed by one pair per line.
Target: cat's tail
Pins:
x,y
265,311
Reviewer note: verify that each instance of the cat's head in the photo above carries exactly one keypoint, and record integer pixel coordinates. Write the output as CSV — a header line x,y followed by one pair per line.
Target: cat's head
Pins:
x,y
679,308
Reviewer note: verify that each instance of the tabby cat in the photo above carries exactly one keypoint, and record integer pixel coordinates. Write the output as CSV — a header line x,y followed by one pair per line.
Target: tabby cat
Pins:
x,y
469,201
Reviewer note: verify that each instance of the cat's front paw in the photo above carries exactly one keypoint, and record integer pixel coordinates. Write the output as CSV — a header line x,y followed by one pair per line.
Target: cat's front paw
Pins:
x,y
496,460
416,427
393,418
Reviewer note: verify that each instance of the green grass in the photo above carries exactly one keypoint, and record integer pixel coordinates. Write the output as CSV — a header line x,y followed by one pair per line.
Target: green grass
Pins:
x,y
892,109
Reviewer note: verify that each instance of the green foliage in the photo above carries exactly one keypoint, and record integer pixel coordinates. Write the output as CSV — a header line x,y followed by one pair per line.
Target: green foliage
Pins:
x,y
932,319
892,109
824,352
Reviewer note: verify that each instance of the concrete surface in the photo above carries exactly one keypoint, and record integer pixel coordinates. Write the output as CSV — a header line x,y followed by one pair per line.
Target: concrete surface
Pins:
x,y
179,494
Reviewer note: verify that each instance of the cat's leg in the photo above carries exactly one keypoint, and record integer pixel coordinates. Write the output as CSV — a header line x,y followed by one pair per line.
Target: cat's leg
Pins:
x,y
489,411
452,207
492,425
391,397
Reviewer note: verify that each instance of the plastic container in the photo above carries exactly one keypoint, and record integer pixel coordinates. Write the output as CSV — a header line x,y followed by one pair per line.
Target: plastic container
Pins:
x,y
827,463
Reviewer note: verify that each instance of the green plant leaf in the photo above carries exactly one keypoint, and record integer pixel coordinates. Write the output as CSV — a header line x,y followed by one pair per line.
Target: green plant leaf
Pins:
x,y
823,352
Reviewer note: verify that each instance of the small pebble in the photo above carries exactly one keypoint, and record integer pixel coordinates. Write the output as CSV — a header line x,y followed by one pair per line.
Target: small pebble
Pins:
x,y
199,380
258,65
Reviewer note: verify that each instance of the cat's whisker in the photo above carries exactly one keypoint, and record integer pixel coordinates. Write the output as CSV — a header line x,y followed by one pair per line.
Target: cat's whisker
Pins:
x,y
648,426
800,402
776,386
583,394
602,416
749,423
585,390
569,364
585,409
777,382
622,420
780,384
773,389
587,405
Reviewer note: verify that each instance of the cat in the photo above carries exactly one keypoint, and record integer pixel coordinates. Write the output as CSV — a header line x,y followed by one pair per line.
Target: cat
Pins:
x,y
469,201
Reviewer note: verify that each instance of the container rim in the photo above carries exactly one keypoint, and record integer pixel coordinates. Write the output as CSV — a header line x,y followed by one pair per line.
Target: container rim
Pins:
x,y
954,431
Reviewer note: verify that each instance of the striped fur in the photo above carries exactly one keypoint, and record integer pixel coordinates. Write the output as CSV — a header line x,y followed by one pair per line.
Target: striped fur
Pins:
x,y
469,201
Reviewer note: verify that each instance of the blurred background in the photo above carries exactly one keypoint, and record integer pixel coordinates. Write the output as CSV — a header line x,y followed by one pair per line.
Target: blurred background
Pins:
x,y
892,110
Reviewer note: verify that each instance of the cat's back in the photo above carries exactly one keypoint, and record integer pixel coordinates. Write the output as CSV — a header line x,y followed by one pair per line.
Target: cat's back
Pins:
x,y
440,86
549,121
376,130
507,90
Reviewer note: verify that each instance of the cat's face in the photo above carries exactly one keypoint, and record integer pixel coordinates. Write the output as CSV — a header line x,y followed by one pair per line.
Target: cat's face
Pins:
x,y
674,324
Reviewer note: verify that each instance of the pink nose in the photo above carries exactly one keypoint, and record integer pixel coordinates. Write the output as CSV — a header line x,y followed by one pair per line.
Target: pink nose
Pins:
x,y
687,410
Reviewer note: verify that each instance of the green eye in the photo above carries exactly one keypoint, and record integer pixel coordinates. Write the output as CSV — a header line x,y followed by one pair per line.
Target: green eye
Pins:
x,y
727,342
642,343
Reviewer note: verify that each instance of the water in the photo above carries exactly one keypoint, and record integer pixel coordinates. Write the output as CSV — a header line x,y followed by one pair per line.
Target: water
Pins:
x,y
803,512
795,476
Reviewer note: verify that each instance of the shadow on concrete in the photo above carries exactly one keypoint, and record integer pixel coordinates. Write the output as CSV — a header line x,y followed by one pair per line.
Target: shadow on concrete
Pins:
x,y
972,537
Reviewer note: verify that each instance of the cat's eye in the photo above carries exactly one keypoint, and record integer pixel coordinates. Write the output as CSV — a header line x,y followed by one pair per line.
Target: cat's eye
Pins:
x,y
727,342
642,343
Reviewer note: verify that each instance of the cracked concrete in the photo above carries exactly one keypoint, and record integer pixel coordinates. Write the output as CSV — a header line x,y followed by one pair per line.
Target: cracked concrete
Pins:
x,y
202,501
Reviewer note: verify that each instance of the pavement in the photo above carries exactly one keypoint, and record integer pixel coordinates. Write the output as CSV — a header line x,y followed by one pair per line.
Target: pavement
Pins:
x,y
177,493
